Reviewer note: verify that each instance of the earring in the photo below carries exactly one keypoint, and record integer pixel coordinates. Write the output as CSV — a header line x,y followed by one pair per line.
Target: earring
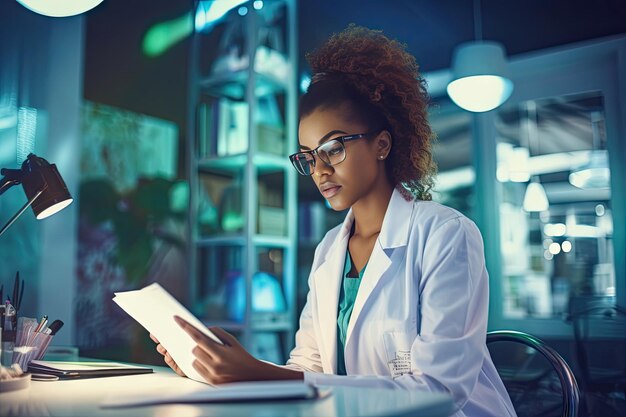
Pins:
x,y
381,157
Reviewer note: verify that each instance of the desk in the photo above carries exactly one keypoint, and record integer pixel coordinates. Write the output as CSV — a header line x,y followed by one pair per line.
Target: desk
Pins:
x,y
82,398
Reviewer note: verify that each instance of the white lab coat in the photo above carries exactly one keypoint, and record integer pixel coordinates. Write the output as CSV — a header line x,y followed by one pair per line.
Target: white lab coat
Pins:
x,y
420,316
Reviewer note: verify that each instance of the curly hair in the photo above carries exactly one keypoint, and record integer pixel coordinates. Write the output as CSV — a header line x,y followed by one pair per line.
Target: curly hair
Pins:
x,y
381,83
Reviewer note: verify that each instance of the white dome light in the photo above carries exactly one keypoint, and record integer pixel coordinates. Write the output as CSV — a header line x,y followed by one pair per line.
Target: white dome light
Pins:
x,y
535,198
595,174
59,8
481,81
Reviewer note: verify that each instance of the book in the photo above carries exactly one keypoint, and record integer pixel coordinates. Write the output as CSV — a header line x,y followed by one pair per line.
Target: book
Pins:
x,y
65,370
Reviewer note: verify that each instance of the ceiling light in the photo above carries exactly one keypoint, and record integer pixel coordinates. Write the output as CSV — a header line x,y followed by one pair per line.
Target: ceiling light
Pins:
x,y
566,246
594,174
479,72
480,81
535,198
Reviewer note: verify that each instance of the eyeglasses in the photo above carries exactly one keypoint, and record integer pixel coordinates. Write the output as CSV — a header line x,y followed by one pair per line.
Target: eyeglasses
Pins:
x,y
332,152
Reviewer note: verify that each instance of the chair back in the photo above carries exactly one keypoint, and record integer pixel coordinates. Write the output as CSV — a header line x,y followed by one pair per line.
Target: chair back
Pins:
x,y
569,387
600,336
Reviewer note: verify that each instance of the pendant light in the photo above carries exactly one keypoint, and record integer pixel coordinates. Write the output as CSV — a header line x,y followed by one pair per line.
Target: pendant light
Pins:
x,y
480,74
535,198
595,173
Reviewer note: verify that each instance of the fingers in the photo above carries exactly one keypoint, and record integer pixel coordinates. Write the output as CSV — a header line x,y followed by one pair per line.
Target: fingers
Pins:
x,y
204,372
172,364
202,355
200,338
168,358
224,336
154,339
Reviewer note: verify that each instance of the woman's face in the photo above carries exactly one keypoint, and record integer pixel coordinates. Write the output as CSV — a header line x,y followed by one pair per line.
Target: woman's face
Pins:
x,y
349,181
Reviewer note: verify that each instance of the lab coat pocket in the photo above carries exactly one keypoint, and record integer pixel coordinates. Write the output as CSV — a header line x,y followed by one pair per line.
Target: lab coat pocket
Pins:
x,y
398,350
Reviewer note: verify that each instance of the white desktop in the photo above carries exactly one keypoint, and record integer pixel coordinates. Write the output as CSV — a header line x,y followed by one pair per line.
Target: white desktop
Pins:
x,y
86,397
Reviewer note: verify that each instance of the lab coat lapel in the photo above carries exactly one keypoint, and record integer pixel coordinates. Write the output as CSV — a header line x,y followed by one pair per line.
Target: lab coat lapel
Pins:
x,y
394,233
328,278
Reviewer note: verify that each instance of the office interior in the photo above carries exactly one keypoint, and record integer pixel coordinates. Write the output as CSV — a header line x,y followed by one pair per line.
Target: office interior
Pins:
x,y
177,162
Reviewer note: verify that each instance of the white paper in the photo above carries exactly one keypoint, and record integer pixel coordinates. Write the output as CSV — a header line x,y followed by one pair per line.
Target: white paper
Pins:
x,y
233,392
154,308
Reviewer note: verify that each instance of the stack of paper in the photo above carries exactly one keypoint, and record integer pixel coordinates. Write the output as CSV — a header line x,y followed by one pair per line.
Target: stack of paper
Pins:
x,y
154,308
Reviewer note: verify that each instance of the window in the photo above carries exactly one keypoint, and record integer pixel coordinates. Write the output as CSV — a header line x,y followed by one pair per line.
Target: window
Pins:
x,y
560,248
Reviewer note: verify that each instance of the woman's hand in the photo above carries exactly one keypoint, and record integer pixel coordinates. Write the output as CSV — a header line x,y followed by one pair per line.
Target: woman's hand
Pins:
x,y
230,362
168,358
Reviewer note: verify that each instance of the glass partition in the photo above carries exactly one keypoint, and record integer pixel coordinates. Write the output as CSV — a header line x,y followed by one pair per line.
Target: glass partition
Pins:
x,y
556,222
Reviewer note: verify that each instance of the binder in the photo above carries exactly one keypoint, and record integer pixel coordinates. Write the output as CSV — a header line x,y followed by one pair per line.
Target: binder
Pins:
x,y
69,370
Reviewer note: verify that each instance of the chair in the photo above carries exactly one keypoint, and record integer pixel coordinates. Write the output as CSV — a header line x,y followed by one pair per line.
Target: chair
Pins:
x,y
600,335
526,376
600,340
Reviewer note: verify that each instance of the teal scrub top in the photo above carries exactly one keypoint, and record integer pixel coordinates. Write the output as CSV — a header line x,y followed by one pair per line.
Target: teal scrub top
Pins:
x,y
347,296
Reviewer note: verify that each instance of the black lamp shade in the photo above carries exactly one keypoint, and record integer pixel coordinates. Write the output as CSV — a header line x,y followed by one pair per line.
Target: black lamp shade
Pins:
x,y
41,175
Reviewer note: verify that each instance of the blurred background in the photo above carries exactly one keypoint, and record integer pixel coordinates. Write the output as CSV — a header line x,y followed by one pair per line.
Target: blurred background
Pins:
x,y
171,123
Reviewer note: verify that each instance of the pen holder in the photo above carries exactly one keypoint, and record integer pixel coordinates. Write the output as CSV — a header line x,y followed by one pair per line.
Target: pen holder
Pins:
x,y
32,348
29,344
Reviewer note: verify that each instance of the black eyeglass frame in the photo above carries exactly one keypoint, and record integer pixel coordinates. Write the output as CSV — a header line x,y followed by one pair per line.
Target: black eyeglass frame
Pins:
x,y
341,139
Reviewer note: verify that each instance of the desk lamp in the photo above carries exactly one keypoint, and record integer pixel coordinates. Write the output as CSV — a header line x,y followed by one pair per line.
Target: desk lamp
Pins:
x,y
45,189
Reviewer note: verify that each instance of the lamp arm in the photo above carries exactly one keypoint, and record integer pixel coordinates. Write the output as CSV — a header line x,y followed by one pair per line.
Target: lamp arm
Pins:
x,y
11,177
19,213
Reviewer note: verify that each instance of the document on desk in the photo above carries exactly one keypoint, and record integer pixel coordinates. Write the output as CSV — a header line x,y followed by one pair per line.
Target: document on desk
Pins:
x,y
154,308
233,392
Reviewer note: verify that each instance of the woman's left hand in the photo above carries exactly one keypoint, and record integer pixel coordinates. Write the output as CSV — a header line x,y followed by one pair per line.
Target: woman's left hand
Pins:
x,y
219,364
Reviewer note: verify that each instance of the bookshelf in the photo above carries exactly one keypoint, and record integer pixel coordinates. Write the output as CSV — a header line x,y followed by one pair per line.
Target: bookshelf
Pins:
x,y
243,190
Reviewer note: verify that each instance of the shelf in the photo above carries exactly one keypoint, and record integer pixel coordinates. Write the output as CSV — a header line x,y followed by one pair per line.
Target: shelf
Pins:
x,y
264,322
222,240
240,132
232,164
270,321
226,325
272,241
233,84
240,240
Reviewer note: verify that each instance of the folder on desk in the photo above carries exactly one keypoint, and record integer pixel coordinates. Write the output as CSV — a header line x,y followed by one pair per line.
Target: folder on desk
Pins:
x,y
85,369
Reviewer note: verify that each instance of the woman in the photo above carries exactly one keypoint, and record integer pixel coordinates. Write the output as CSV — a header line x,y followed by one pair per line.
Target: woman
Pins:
x,y
407,276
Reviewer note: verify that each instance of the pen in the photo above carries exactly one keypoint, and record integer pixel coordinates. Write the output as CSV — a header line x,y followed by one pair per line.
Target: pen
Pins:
x,y
16,290
19,294
43,322
44,326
